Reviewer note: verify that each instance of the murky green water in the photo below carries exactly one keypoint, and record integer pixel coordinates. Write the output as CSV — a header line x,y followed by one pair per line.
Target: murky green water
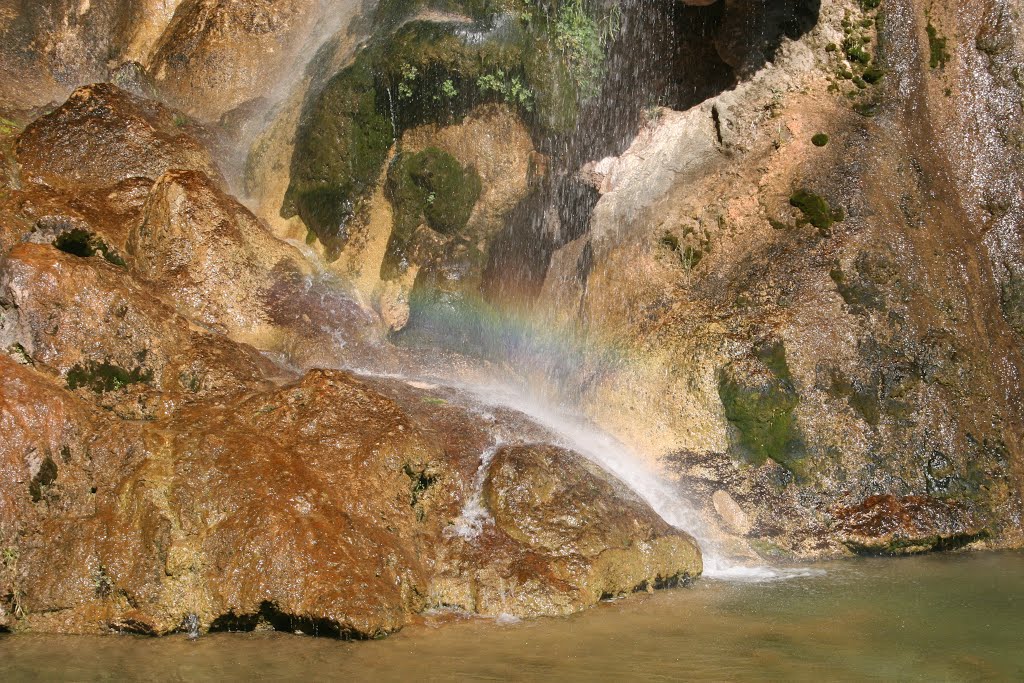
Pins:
x,y
928,618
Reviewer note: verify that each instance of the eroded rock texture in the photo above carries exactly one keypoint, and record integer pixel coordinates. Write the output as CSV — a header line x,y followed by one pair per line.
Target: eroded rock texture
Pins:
x,y
160,473
774,246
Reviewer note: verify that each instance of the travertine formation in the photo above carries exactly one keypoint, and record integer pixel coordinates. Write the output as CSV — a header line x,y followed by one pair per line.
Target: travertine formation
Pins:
x,y
774,247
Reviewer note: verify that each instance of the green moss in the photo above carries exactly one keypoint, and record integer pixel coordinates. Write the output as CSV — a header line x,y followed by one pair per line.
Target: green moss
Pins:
x,y
820,140
670,241
863,399
873,74
939,55
759,399
79,242
692,257
104,377
580,37
855,52
545,64
816,210
428,187
340,150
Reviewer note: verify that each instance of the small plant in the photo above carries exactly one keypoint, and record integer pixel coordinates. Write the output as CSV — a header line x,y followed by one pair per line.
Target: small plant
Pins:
x,y
448,89
511,89
820,140
816,210
669,240
582,41
409,74
873,74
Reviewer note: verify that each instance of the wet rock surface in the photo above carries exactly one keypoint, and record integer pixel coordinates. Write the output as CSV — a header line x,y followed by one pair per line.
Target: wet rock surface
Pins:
x,y
887,525
561,535
103,135
801,297
160,474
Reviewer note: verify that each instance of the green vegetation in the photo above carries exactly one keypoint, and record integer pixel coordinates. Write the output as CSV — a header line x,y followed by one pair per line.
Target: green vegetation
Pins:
x,y
582,38
8,127
937,48
758,398
79,242
816,210
545,65
428,187
854,61
511,89
820,140
339,152
104,377
669,240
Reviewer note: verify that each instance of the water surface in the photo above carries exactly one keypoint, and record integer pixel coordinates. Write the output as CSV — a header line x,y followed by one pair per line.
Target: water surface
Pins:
x,y
931,618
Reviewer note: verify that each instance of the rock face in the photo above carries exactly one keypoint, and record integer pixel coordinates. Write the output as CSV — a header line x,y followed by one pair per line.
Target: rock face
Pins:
x,y
103,135
217,54
562,535
87,320
160,474
887,525
802,297
210,254
801,328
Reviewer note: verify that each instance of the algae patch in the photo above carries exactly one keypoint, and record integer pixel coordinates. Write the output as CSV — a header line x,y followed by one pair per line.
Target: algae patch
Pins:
x,y
104,377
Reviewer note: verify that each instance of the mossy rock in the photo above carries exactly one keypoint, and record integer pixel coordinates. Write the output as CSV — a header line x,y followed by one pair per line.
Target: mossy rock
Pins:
x,y
758,397
863,398
540,60
429,187
340,150
819,140
863,288
82,243
816,210
938,54
104,377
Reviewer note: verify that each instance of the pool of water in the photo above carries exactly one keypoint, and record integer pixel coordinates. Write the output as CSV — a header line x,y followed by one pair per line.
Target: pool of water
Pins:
x,y
928,618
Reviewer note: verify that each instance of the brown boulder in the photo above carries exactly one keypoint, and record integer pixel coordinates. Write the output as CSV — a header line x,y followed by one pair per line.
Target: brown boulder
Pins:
x,y
218,54
891,525
565,534
103,135
208,254
89,320
291,506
